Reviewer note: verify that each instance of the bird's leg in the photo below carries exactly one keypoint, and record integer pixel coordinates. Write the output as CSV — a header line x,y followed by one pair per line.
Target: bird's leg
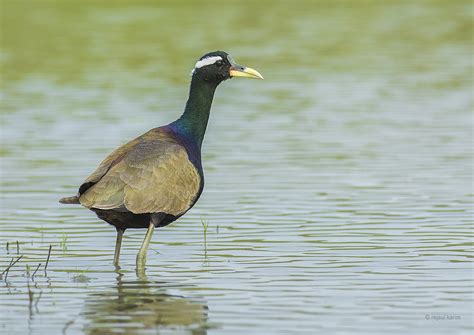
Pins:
x,y
118,245
141,256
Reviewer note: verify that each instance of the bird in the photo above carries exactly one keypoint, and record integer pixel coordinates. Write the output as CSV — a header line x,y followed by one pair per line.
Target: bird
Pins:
x,y
157,177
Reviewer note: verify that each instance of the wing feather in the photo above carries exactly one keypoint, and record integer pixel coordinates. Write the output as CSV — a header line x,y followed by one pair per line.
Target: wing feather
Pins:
x,y
155,175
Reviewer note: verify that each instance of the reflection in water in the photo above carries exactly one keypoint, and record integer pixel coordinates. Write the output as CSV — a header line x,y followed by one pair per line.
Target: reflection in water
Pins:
x,y
140,307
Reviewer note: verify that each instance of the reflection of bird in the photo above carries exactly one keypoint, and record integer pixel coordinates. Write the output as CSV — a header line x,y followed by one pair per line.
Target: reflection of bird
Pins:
x,y
157,177
135,307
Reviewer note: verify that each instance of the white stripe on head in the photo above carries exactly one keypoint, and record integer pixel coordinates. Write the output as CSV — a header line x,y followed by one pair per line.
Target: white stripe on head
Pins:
x,y
206,61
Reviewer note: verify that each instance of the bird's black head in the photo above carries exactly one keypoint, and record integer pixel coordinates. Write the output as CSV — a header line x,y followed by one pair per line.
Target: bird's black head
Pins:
x,y
218,66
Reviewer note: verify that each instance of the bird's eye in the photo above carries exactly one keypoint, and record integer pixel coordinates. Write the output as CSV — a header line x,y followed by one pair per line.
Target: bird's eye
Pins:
x,y
219,63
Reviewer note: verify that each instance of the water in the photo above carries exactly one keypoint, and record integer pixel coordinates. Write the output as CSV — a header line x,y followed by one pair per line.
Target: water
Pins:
x,y
338,191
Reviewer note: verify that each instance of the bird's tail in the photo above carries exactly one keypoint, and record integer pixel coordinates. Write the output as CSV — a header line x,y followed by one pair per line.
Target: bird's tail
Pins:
x,y
69,200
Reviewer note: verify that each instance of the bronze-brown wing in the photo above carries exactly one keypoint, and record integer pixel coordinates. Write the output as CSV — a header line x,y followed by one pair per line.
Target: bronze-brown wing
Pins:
x,y
155,175
116,156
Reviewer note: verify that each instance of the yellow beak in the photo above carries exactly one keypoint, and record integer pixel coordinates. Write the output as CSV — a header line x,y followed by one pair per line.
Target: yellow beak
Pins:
x,y
246,72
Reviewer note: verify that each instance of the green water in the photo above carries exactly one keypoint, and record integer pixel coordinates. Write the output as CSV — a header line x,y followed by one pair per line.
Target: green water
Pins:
x,y
338,190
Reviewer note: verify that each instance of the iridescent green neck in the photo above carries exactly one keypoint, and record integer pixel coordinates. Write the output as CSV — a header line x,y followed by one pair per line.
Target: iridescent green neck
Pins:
x,y
193,122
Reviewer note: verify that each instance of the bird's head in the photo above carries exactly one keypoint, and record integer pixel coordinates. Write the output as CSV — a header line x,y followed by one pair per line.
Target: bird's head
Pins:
x,y
218,66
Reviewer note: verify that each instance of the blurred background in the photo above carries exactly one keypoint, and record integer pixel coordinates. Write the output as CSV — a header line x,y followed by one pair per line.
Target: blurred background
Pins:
x,y
338,190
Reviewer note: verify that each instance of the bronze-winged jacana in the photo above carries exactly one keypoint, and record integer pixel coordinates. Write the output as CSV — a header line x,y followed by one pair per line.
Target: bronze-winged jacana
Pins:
x,y
157,177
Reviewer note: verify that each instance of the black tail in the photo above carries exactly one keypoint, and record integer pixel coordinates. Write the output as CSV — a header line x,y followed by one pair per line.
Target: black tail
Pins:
x,y
69,200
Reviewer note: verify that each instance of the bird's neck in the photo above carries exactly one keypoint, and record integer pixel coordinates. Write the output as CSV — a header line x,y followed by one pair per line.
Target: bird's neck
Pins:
x,y
193,122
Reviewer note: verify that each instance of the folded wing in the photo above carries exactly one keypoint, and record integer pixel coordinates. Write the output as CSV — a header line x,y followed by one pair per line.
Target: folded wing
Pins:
x,y
148,175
